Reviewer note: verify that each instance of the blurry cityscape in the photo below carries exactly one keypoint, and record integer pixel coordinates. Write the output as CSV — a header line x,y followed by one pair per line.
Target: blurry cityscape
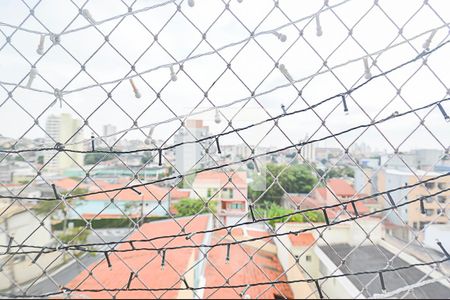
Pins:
x,y
310,177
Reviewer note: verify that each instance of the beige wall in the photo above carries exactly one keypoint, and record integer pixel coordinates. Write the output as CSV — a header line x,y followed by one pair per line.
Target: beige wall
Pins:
x,y
414,212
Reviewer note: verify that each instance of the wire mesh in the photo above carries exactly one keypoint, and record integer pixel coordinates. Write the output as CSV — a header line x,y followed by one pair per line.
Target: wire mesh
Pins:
x,y
224,149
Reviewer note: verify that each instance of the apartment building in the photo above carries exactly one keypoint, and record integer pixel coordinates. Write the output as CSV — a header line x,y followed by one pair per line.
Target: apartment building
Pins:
x,y
229,189
63,129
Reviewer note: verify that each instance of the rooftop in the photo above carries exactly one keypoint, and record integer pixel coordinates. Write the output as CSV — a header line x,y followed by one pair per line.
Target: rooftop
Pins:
x,y
368,258
341,187
264,266
302,239
148,263
148,192
221,178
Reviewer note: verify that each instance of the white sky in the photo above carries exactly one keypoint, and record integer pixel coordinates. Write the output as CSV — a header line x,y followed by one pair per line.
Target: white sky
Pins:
x,y
374,32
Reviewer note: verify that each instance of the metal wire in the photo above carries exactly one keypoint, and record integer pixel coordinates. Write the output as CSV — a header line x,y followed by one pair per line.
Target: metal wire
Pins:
x,y
292,30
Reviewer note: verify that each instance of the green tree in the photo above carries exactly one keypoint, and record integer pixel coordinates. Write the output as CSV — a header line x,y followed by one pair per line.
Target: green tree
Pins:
x,y
271,210
189,207
93,158
40,159
294,179
78,234
338,172
52,206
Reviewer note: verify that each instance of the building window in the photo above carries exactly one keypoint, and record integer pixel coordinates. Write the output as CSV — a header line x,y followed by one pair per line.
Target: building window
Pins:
x,y
429,212
442,185
440,211
211,192
428,199
422,224
441,199
429,185
227,193
236,206
415,225
308,258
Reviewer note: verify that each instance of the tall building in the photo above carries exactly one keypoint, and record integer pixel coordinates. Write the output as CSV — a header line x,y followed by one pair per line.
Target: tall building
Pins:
x,y
191,156
308,151
108,130
63,129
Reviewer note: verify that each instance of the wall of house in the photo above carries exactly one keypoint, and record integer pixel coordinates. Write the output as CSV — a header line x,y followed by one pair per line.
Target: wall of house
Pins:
x,y
285,252
118,207
19,267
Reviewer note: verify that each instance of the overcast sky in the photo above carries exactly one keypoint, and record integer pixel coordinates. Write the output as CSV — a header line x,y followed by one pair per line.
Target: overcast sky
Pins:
x,y
252,64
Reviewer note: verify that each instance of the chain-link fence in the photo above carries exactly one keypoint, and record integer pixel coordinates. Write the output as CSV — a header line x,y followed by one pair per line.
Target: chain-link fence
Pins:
x,y
224,149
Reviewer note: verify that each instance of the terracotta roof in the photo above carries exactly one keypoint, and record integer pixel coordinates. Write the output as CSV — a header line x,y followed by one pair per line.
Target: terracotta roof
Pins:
x,y
221,178
147,262
322,192
304,201
241,270
89,216
266,266
68,184
149,192
341,187
303,239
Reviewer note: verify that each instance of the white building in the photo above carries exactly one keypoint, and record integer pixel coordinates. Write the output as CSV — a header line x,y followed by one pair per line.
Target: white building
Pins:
x,y
63,129
107,131
190,156
344,248
17,222
308,151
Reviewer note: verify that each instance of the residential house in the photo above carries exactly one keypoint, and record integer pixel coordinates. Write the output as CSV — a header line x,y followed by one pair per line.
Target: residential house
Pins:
x,y
196,268
142,201
19,225
345,249
229,189
335,192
